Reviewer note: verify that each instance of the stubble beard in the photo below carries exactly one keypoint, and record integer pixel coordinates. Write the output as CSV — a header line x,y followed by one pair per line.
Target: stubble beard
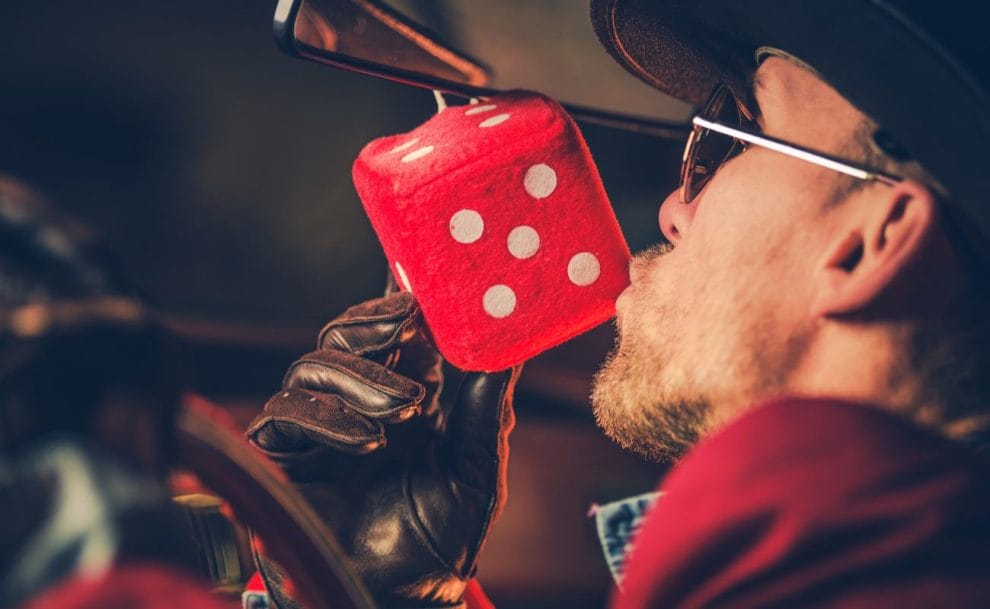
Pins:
x,y
634,400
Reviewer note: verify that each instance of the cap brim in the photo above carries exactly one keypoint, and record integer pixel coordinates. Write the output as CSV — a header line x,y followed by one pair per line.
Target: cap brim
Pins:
x,y
870,52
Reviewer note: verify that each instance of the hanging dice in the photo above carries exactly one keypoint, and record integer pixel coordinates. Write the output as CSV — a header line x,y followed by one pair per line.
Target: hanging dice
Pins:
x,y
493,215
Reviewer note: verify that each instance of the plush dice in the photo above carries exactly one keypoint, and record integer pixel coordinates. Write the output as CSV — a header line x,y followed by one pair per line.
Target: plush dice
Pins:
x,y
493,215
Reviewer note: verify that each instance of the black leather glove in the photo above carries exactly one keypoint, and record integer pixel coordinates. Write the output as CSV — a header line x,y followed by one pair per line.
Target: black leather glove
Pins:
x,y
411,487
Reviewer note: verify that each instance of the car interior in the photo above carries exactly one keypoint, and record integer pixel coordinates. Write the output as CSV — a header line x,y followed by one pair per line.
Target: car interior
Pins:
x,y
210,145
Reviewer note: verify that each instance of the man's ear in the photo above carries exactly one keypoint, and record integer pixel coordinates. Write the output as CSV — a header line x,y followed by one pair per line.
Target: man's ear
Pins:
x,y
876,246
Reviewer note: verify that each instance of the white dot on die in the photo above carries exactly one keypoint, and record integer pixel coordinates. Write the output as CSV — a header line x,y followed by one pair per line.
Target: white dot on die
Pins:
x,y
499,301
583,269
479,109
417,154
540,181
523,242
498,119
466,226
401,272
405,146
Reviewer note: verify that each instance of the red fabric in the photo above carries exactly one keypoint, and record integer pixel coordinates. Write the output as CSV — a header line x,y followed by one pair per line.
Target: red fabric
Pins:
x,y
475,597
256,584
130,587
425,191
817,503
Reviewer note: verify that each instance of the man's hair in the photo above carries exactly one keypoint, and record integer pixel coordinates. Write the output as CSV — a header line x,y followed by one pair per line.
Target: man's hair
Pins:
x,y
949,354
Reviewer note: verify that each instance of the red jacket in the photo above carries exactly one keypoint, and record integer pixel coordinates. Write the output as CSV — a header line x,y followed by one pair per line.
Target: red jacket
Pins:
x,y
132,586
817,503
800,503
813,504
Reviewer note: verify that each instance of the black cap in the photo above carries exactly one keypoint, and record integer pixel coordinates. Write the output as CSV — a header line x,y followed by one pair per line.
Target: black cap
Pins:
x,y
920,69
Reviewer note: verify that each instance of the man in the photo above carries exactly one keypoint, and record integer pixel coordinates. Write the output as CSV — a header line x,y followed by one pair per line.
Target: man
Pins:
x,y
812,345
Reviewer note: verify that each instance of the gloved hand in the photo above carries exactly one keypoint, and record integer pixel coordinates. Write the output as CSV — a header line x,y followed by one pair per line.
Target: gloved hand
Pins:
x,y
410,487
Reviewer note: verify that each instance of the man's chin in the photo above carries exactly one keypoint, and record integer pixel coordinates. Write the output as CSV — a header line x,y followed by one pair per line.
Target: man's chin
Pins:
x,y
633,409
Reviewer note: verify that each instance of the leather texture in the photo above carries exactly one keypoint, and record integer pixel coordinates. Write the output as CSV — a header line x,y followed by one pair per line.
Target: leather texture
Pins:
x,y
409,482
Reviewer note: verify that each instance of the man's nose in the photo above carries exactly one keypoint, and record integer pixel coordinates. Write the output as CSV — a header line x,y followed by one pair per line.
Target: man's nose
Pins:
x,y
675,216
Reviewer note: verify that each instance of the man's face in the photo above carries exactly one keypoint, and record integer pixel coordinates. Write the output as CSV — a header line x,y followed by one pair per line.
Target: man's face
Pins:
x,y
720,319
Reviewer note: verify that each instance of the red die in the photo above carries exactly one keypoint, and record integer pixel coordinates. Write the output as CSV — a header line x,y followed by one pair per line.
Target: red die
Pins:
x,y
495,217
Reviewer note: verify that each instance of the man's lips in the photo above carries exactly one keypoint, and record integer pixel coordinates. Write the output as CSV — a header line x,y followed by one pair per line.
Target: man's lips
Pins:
x,y
639,267
625,295
620,303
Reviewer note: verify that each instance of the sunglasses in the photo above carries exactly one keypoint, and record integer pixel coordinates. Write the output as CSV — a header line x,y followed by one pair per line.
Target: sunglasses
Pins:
x,y
724,128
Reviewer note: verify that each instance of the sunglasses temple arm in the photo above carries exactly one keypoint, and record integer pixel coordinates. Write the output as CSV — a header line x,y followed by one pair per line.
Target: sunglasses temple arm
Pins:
x,y
795,151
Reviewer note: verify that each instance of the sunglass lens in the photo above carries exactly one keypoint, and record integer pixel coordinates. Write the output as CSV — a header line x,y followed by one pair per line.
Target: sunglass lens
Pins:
x,y
710,150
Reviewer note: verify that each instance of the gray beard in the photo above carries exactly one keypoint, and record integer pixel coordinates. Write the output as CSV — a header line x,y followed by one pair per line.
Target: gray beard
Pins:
x,y
638,416
659,411
633,410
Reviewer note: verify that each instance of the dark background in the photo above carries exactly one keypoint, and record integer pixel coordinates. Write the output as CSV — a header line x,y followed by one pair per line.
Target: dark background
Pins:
x,y
218,170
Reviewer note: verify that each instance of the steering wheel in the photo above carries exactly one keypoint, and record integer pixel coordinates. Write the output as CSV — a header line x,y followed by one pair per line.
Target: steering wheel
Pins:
x,y
264,500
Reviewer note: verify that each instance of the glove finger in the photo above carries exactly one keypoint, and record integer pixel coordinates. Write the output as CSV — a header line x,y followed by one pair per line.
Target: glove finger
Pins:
x,y
479,426
369,388
391,332
296,424
373,326
418,359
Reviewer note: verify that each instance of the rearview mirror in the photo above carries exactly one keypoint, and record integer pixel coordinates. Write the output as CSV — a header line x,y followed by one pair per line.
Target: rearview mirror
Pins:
x,y
476,49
